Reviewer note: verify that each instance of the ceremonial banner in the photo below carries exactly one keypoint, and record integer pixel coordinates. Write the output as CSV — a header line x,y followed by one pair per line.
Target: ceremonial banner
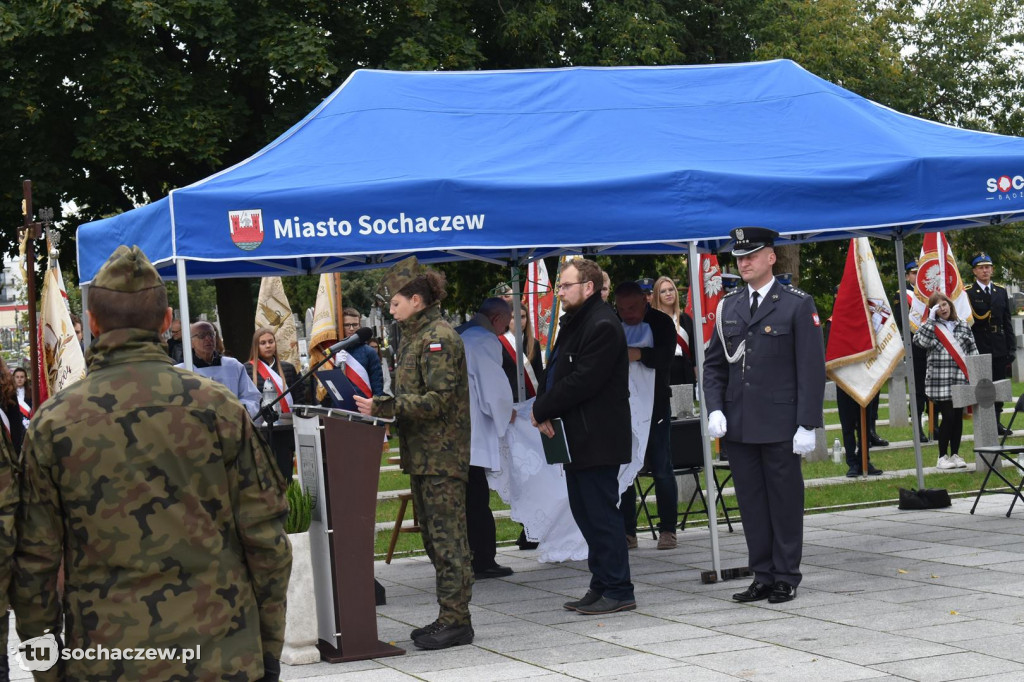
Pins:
x,y
937,271
864,343
61,355
711,294
272,310
327,328
556,311
540,299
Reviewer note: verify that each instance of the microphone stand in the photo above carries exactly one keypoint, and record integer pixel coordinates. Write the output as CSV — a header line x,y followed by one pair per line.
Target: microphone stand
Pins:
x,y
268,412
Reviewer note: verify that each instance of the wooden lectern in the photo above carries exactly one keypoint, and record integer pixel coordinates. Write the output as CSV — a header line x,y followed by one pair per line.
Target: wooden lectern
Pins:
x,y
339,464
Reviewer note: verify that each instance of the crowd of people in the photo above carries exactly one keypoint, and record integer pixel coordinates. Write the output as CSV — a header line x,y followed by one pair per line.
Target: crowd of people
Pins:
x,y
142,444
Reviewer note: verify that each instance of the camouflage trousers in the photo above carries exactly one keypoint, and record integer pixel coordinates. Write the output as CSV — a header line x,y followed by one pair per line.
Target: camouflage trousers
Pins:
x,y
440,503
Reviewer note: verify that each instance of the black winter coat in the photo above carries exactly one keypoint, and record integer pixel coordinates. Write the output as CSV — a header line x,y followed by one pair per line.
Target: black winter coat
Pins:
x,y
589,377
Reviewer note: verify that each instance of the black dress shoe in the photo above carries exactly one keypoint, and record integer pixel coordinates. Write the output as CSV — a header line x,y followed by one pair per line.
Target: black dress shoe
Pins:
x,y
606,605
781,592
589,598
876,441
853,472
873,470
444,636
1003,431
756,592
494,571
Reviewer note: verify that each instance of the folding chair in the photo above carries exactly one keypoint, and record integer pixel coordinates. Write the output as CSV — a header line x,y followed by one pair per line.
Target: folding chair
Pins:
x,y
687,460
999,453
722,464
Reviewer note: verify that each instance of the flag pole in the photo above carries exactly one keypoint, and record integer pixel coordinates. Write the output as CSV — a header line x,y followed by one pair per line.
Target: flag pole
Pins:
x,y
863,442
908,358
30,233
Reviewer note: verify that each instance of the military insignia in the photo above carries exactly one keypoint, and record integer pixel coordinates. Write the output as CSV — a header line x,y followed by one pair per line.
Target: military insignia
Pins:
x,y
739,234
767,329
434,347
816,320
775,297
246,228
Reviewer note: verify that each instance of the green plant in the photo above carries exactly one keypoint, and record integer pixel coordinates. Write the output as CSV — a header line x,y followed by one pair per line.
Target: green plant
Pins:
x,y
300,509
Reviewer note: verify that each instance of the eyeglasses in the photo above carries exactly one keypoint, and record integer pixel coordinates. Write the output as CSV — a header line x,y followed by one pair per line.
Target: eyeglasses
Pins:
x,y
566,285
350,325
203,336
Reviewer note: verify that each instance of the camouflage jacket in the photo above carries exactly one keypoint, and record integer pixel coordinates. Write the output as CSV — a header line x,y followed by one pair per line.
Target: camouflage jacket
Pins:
x,y
431,400
152,485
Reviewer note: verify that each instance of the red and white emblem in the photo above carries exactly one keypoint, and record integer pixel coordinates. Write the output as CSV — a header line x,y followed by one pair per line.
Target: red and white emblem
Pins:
x,y
1005,183
246,228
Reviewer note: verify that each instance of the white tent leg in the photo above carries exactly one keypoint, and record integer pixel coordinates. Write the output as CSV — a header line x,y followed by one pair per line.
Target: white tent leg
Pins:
x,y
909,359
186,335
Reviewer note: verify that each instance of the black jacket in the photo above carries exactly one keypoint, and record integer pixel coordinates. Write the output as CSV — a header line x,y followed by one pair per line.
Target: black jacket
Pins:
x,y
589,377
300,395
684,370
508,364
659,358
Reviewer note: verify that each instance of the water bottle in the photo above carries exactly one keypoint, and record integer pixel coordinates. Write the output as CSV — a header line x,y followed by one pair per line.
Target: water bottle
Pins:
x,y
270,395
837,452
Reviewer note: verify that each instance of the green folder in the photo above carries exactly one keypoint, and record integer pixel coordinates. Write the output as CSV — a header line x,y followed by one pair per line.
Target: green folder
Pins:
x,y
556,448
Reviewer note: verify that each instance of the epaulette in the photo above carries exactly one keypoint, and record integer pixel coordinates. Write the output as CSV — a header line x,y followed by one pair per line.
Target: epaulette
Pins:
x,y
796,292
969,286
734,292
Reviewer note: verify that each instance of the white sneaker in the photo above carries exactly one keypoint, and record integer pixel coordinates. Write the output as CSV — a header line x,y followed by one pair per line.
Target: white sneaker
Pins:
x,y
959,461
946,462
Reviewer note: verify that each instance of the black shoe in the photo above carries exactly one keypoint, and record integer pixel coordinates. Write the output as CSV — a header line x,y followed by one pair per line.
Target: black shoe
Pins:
x,y
756,592
922,436
606,605
876,441
873,470
853,472
426,629
528,544
1003,431
445,636
782,592
494,571
589,598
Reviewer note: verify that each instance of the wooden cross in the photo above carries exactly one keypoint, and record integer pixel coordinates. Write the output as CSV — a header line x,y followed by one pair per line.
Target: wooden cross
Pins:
x,y
982,393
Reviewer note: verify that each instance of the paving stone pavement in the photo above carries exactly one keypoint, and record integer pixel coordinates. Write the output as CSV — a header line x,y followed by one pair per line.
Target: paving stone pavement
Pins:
x,y
887,595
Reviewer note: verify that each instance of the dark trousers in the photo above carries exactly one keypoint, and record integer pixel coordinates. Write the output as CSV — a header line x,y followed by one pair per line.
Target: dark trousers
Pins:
x,y
770,493
659,464
849,421
480,520
951,427
1001,369
282,444
593,495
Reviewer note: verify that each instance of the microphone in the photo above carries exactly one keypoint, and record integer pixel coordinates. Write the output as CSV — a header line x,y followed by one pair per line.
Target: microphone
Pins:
x,y
361,336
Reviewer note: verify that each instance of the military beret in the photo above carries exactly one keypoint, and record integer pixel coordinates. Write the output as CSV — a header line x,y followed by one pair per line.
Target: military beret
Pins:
x,y
398,276
980,259
128,271
751,239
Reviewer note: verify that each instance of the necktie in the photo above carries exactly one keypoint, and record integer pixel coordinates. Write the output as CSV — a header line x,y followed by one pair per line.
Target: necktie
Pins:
x,y
753,303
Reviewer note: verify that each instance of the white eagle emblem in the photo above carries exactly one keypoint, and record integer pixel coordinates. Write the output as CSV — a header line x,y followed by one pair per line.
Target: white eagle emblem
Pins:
x,y
739,235
712,280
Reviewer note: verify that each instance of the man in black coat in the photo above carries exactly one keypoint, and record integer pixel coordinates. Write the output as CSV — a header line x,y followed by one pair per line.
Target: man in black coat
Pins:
x,y
764,387
993,331
587,386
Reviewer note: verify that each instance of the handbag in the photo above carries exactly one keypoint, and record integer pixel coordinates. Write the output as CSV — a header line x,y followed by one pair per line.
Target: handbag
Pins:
x,y
926,498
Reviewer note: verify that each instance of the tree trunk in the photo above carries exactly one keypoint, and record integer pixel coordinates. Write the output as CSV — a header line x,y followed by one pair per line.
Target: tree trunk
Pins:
x,y
237,314
787,259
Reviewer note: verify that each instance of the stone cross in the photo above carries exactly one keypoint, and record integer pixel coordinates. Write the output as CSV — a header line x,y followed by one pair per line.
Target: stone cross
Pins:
x,y
682,401
1018,367
898,404
983,393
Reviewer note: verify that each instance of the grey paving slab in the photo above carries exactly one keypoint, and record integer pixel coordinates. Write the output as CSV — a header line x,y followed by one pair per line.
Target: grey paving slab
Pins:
x,y
959,666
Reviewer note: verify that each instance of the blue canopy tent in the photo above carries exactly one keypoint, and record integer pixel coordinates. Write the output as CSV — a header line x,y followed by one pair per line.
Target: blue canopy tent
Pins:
x,y
508,166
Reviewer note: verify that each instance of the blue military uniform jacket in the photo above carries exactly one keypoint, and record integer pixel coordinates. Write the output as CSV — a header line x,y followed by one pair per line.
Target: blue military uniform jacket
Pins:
x,y
993,330
778,381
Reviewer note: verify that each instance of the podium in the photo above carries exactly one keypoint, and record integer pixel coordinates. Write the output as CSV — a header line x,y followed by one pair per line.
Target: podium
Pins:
x,y
339,464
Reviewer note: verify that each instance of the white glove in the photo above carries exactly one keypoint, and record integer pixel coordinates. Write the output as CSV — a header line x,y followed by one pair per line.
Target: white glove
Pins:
x,y
803,441
716,424
933,314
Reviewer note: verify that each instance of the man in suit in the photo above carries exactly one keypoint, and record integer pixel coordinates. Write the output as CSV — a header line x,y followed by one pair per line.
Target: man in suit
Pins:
x,y
993,331
764,386
587,385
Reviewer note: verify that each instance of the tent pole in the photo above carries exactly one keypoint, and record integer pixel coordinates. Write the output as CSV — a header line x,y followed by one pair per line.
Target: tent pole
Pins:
x,y
517,328
908,358
709,473
86,330
186,334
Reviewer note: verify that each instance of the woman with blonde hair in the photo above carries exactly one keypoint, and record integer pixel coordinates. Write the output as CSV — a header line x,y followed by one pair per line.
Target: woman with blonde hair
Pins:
x,y
266,366
666,299
947,341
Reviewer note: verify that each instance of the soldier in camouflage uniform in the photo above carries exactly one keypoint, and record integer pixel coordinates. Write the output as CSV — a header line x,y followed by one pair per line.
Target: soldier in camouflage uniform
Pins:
x,y
8,507
163,501
431,405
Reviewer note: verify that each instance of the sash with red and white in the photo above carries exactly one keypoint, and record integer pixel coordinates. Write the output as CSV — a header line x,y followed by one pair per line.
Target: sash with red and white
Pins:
x,y
356,373
6,423
268,374
952,347
529,376
26,411
683,342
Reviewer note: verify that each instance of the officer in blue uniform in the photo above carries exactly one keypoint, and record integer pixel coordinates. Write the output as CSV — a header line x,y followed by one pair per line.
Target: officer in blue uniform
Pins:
x,y
993,331
764,385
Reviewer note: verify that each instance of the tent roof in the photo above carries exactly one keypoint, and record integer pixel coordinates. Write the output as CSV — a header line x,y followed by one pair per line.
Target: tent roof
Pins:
x,y
518,164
